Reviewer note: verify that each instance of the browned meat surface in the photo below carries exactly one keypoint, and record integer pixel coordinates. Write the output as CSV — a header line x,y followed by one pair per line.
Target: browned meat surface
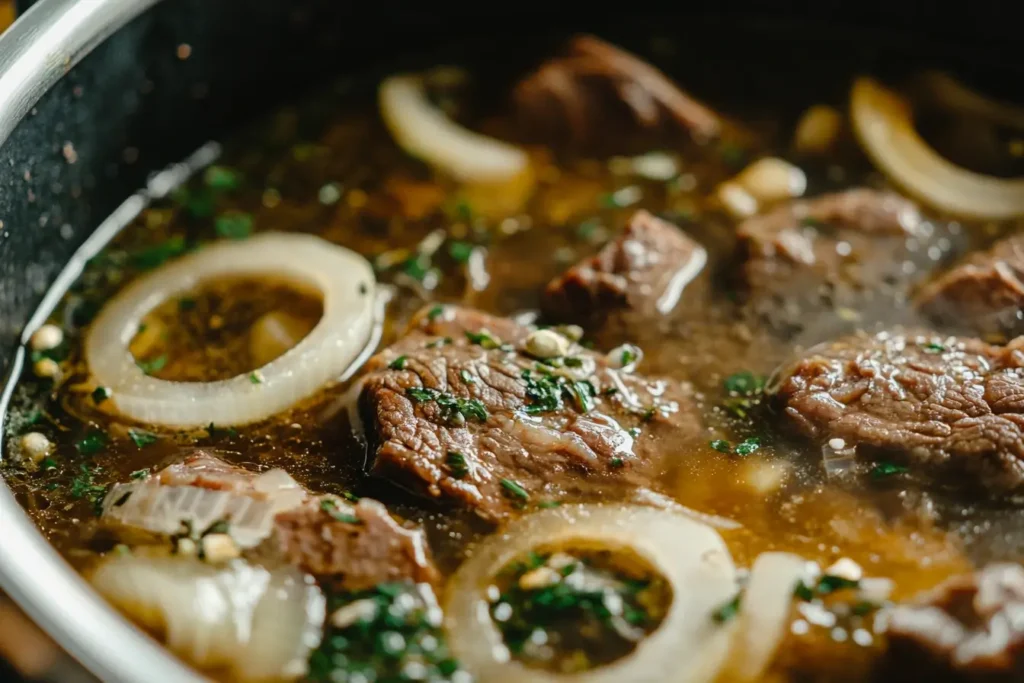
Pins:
x,y
353,548
572,96
828,251
205,470
643,271
970,628
924,400
985,293
457,409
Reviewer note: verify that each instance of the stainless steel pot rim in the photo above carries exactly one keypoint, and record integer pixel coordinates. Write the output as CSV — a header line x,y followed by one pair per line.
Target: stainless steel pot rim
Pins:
x,y
35,53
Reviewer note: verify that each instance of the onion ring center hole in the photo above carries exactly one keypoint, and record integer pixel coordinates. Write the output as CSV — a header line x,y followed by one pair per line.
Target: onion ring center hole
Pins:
x,y
224,328
578,605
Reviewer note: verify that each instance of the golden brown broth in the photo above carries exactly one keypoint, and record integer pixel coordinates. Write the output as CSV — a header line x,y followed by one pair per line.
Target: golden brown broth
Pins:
x,y
386,203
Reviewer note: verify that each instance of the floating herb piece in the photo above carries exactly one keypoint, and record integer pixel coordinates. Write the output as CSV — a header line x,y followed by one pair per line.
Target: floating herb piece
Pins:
x,y
460,251
222,178
803,592
933,347
141,437
721,445
416,267
744,383
438,343
887,469
92,443
830,584
483,338
100,394
617,462
154,365
727,611
398,363
84,486
140,474
435,312
514,490
47,463
629,355
748,445
466,377
457,464
331,507
233,225
256,377
157,255
453,409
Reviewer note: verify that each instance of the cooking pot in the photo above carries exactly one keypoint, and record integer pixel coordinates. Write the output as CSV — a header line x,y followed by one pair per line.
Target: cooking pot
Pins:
x,y
98,95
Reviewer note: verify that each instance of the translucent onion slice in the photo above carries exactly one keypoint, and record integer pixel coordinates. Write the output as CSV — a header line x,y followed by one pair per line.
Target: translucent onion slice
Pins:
x,y
884,126
256,624
689,646
344,279
162,509
425,132
764,614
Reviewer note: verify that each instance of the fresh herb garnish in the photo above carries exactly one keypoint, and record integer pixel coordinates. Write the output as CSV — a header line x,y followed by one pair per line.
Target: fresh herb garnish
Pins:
x,y
416,267
331,507
141,437
830,584
159,254
545,392
803,592
745,390
934,347
256,377
617,462
222,178
435,312
100,394
726,612
92,443
47,463
438,343
84,486
514,490
454,410
233,225
154,365
748,445
460,251
629,355
887,469
139,474
457,464
398,363
483,338
721,445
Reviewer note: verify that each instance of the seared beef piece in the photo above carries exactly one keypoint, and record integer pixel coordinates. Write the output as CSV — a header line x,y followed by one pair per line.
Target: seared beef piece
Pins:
x,y
970,628
828,251
457,410
936,402
353,548
567,96
984,294
643,271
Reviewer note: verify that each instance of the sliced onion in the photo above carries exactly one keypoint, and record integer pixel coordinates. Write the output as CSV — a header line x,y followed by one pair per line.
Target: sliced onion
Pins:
x,y
425,132
884,126
256,624
689,645
951,93
162,509
344,279
764,614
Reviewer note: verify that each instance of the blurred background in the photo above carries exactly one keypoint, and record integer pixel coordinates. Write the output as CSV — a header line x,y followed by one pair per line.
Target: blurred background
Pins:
x,y
26,654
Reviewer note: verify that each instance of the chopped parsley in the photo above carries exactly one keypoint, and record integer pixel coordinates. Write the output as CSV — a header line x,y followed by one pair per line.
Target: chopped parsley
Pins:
x,y
141,437
743,448
934,347
514,490
398,363
803,592
92,443
159,254
256,377
435,312
721,445
826,585
331,507
744,391
483,338
48,463
416,267
457,464
222,178
233,225
454,410
728,611
630,354
84,486
545,392
460,251
887,469
617,462
140,474
100,394
154,365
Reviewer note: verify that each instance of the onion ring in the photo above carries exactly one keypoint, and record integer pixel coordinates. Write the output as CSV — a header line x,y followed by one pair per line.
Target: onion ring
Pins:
x,y
344,279
884,126
688,647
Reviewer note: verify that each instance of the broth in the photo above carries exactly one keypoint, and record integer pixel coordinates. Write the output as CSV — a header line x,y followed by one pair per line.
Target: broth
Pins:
x,y
329,167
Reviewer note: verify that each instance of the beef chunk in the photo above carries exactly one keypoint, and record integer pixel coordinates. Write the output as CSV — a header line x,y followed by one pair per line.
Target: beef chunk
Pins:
x,y
569,97
643,271
969,628
353,548
984,294
936,402
457,409
827,252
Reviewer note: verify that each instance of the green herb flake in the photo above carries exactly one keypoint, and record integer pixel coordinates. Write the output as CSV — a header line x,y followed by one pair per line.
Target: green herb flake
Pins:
x,y
141,437
934,348
721,445
100,394
548,504
140,474
460,251
744,383
887,469
466,377
630,354
222,178
398,363
331,507
233,225
514,490
435,312
617,462
457,464
47,464
830,584
84,486
483,338
421,394
748,446
803,592
154,365
728,611
256,377
198,202
157,255
92,443
416,267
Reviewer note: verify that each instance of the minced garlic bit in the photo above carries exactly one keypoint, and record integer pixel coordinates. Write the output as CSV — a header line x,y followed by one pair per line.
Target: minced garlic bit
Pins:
x,y
736,201
360,610
544,344
846,568
771,180
817,130
219,548
35,447
46,338
541,577
46,367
